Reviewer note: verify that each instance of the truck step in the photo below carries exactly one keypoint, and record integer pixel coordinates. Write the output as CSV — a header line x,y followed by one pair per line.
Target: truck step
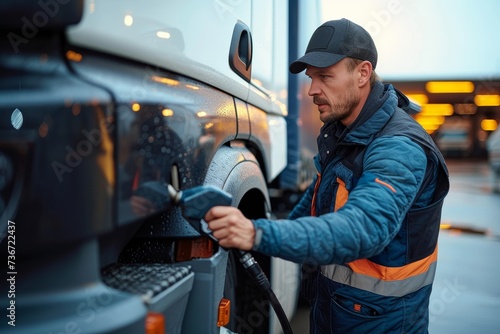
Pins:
x,y
147,280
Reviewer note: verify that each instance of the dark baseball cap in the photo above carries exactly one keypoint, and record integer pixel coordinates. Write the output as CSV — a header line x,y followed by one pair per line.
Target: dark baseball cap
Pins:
x,y
333,41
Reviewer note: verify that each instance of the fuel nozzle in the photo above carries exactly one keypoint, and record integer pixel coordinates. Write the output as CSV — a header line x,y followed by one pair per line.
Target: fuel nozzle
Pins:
x,y
195,203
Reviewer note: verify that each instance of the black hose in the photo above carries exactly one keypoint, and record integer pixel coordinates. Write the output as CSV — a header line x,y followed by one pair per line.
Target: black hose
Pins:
x,y
257,274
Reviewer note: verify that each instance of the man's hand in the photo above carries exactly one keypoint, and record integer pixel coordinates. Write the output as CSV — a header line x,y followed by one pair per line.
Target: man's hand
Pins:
x,y
141,206
231,227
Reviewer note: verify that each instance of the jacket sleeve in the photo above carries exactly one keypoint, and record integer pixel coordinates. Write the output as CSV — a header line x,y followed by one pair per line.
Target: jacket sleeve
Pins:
x,y
394,168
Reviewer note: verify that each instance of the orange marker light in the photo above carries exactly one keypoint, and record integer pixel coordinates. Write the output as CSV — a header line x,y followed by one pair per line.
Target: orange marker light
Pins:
x,y
224,312
155,323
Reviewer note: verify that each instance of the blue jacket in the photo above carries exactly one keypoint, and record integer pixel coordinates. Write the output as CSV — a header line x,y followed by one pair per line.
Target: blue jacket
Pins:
x,y
367,226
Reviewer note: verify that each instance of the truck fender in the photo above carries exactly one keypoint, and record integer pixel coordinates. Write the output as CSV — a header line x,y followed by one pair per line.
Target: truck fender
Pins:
x,y
236,170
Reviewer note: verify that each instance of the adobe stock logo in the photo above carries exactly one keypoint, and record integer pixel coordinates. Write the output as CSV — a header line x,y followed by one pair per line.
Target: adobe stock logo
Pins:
x,y
84,148
447,295
383,17
31,26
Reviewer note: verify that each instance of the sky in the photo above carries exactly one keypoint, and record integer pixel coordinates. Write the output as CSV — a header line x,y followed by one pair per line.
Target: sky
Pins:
x,y
428,39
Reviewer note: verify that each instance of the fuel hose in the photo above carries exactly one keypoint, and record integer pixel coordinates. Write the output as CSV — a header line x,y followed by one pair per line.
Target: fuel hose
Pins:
x,y
257,274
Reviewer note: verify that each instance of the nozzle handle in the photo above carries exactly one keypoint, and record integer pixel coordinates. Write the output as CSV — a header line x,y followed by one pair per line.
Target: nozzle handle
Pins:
x,y
199,200
195,203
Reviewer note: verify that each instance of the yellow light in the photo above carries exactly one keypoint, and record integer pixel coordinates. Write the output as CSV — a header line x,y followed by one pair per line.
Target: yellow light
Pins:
x,y
201,113
128,20
449,86
427,120
193,87
163,34
489,124
419,98
163,80
167,112
437,109
487,100
136,107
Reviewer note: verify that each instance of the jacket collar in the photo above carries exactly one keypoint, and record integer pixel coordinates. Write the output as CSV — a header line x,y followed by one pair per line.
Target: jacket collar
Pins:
x,y
378,109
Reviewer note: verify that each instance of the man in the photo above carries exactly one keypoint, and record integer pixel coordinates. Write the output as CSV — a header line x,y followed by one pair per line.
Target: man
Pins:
x,y
368,225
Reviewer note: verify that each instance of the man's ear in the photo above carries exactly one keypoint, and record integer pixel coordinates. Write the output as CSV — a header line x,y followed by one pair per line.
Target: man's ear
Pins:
x,y
365,69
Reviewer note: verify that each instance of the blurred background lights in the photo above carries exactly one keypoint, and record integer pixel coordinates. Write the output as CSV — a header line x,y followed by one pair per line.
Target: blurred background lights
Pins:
x,y
136,107
486,100
167,112
128,20
489,124
163,34
449,87
16,119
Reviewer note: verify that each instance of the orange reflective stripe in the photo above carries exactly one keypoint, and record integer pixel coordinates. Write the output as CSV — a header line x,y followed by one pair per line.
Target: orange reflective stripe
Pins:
x,y
342,195
313,201
379,181
369,268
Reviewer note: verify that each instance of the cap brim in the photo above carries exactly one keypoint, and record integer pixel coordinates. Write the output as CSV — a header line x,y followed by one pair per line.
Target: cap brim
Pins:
x,y
316,59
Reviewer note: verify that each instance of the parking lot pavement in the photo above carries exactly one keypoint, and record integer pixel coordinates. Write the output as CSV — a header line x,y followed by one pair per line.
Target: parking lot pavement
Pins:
x,y
471,201
466,292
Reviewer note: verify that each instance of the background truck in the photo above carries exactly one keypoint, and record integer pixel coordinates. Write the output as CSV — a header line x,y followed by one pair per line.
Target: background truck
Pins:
x,y
102,105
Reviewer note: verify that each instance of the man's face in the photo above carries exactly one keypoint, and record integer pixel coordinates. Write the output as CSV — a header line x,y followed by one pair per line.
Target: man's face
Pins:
x,y
335,92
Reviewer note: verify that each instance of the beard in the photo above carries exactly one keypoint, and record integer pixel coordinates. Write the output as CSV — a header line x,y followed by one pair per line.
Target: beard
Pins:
x,y
342,108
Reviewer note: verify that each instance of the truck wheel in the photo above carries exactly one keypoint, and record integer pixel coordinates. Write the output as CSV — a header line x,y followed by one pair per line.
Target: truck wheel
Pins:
x,y
249,307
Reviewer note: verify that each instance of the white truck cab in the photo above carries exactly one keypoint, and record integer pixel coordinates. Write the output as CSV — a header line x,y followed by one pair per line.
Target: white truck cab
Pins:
x,y
105,104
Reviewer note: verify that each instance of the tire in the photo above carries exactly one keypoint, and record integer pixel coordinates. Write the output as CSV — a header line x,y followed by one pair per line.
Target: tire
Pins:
x,y
249,308
245,181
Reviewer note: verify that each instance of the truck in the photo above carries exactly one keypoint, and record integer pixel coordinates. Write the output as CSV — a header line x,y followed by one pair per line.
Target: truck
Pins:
x,y
103,106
